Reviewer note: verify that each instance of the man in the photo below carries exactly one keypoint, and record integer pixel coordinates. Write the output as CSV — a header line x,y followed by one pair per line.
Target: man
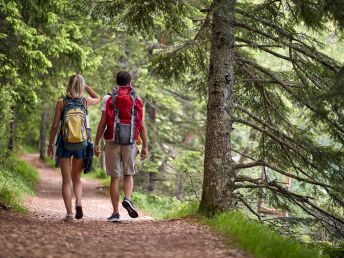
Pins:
x,y
121,124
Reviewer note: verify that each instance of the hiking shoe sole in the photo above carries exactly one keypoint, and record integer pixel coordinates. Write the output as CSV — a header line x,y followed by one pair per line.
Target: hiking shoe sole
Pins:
x,y
130,208
78,212
113,220
68,218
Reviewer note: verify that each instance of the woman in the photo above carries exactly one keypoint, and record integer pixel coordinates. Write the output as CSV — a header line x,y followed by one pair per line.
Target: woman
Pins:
x,y
71,168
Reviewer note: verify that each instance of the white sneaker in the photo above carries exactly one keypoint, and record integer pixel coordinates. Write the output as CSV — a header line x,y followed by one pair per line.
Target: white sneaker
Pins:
x,y
68,218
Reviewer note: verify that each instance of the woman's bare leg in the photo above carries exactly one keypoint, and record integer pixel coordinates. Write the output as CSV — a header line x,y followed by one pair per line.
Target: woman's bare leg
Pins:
x,y
65,164
77,166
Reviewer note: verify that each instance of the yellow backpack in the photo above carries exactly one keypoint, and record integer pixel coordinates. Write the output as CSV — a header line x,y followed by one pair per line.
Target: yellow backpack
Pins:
x,y
74,126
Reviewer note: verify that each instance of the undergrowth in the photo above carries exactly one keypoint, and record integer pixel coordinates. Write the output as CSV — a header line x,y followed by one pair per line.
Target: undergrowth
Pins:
x,y
17,178
158,206
250,235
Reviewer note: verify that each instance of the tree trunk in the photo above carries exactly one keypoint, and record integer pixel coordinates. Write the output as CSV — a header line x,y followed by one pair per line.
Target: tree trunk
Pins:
x,y
180,187
151,111
12,130
219,176
43,132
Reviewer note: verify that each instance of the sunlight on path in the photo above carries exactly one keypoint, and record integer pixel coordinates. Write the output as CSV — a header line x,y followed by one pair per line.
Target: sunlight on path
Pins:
x,y
42,233
48,202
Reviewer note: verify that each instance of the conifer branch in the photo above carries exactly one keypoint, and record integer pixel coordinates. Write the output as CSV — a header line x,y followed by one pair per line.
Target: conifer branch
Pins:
x,y
304,49
261,163
295,141
276,138
298,98
249,207
265,49
267,132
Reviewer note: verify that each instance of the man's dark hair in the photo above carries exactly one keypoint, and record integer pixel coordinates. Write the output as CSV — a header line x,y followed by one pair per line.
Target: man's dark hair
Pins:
x,y
123,78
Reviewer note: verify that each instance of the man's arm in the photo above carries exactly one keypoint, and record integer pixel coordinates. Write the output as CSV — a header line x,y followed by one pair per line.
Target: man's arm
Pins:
x,y
144,137
100,132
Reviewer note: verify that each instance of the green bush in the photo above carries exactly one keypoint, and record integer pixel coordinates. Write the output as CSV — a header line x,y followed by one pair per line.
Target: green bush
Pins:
x,y
183,210
156,206
17,178
333,251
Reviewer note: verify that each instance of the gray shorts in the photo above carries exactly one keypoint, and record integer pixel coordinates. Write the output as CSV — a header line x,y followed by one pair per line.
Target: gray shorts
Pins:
x,y
120,159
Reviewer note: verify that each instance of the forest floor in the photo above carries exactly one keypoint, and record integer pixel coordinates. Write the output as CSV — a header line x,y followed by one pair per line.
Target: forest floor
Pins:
x,y
42,233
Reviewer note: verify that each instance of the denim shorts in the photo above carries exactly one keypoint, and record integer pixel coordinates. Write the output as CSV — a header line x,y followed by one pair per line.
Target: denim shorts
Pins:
x,y
79,154
61,152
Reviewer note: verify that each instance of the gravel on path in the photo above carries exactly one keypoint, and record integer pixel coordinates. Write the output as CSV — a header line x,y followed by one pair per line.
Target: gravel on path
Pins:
x,y
42,233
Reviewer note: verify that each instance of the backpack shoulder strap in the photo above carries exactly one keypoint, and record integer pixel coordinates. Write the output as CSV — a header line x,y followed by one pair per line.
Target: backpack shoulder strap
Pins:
x,y
65,101
133,115
84,100
133,97
114,95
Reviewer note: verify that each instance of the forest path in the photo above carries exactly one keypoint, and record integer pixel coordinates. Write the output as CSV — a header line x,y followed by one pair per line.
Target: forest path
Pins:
x,y
42,233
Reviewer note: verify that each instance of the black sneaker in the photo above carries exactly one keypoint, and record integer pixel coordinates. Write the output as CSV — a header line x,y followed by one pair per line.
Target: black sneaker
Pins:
x,y
78,212
113,218
129,206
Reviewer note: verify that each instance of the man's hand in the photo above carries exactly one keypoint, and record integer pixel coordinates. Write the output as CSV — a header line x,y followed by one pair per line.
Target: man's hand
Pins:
x,y
96,150
144,153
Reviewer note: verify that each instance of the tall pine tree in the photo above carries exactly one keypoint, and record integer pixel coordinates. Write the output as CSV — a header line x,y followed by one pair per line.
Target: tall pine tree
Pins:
x,y
215,54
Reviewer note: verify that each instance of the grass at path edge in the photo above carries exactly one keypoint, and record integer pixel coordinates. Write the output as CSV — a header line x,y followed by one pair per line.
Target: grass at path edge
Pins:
x,y
250,235
17,179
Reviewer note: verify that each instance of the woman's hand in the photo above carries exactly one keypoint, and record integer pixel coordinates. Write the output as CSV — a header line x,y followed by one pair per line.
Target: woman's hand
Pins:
x,y
50,150
94,99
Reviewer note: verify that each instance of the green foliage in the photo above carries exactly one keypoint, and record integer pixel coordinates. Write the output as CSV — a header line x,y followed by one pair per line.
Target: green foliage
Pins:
x,y
186,209
333,251
283,81
98,173
258,239
158,206
189,166
17,179
251,235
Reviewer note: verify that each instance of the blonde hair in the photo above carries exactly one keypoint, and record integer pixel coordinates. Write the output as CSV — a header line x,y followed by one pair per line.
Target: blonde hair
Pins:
x,y
76,86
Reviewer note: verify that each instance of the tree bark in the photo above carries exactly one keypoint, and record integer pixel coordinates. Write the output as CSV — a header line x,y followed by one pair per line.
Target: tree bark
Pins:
x,y
180,187
219,175
12,130
43,133
152,177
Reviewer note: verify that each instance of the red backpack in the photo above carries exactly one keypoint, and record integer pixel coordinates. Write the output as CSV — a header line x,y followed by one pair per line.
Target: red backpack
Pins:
x,y
123,116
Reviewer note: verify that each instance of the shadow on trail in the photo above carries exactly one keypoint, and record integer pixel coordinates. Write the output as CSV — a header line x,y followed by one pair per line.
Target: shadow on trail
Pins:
x,y
42,233
49,203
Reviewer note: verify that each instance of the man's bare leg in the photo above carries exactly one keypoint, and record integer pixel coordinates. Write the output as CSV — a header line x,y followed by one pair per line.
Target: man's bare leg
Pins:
x,y
128,184
114,193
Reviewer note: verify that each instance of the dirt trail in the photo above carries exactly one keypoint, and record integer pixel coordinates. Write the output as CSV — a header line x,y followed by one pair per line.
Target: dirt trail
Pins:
x,y
41,233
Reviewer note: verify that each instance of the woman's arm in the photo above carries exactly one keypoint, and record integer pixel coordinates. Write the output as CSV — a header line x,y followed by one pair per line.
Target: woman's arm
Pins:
x,y
55,127
94,99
